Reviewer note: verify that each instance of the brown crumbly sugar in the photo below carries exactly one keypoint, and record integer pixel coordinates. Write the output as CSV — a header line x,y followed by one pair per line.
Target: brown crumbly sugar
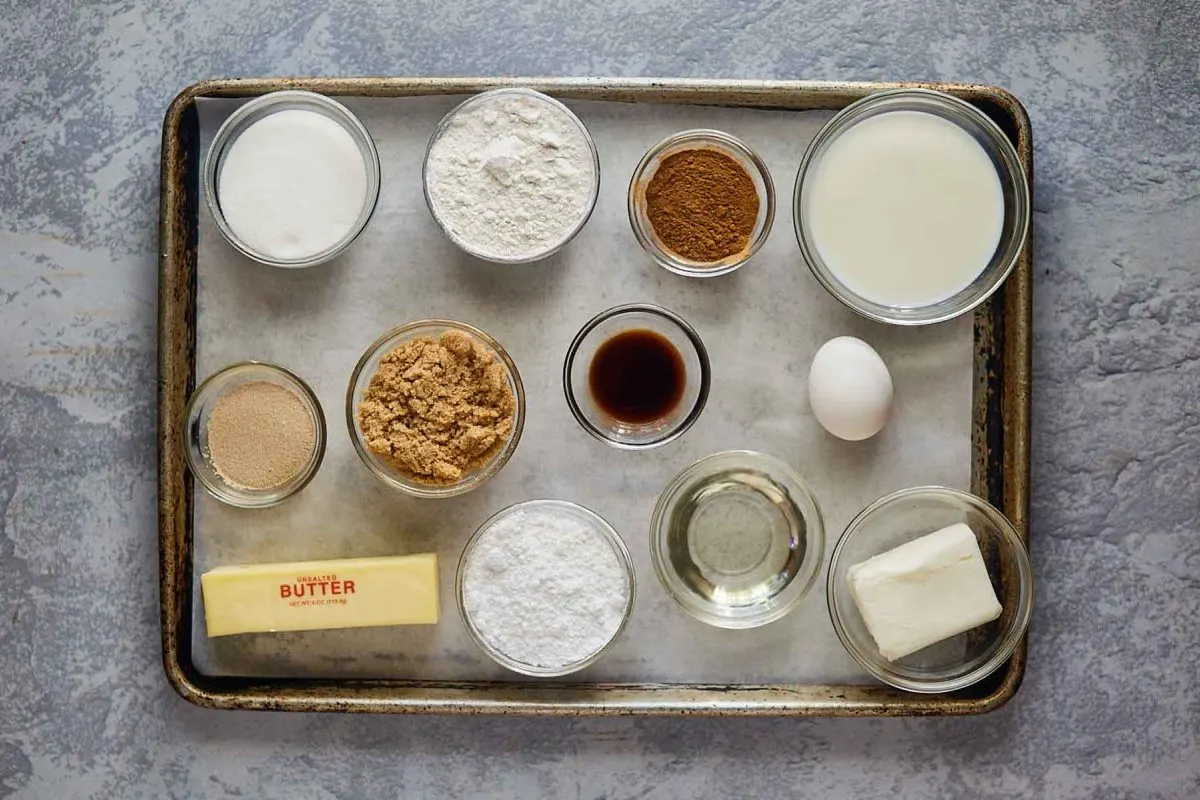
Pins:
x,y
437,409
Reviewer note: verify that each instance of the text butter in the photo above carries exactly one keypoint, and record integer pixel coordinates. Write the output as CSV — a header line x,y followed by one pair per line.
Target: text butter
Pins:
x,y
924,591
313,595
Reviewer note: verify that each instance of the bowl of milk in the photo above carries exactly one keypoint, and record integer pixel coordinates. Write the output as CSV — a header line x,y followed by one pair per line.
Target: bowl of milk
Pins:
x,y
911,206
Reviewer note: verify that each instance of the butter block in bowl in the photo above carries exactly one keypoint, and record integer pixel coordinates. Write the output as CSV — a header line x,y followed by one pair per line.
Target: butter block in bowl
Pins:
x,y
930,589
924,591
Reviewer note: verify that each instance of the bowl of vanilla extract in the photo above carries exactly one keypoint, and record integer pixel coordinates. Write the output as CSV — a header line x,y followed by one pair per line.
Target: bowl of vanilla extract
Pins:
x,y
636,376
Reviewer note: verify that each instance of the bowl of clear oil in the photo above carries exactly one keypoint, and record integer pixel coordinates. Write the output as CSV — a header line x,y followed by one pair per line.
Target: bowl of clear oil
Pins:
x,y
737,539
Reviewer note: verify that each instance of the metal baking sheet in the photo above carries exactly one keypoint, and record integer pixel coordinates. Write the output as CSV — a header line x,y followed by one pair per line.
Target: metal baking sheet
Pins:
x,y
761,325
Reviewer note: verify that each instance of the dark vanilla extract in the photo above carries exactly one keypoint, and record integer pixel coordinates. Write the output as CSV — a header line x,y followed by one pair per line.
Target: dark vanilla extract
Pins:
x,y
637,377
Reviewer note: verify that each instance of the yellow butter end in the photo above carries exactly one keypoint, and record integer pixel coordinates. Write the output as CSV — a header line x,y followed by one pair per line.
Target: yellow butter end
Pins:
x,y
316,595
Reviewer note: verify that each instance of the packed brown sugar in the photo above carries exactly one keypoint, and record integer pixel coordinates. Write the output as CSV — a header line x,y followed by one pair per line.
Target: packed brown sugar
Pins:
x,y
437,409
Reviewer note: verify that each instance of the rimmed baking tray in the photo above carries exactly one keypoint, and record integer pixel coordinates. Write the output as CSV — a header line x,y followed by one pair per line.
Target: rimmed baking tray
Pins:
x,y
999,469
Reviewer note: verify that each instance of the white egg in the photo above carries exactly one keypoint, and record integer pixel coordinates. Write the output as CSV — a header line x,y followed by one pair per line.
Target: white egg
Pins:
x,y
850,389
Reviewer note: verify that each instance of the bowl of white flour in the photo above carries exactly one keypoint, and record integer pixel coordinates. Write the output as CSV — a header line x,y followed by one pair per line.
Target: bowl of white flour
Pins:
x,y
511,175
545,587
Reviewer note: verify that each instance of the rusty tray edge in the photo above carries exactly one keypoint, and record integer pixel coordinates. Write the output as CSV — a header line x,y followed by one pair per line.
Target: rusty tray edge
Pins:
x,y
1007,317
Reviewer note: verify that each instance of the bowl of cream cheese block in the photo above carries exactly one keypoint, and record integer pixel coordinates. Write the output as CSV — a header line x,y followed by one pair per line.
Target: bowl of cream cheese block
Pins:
x,y
930,589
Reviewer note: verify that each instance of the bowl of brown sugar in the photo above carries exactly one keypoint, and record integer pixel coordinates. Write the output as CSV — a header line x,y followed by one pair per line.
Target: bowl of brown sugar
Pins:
x,y
701,203
435,408
254,434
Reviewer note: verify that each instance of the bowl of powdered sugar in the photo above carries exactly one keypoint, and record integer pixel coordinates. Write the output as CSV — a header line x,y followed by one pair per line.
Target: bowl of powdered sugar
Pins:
x,y
545,587
511,175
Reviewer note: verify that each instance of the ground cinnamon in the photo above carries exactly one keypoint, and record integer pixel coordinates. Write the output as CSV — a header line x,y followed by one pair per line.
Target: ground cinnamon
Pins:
x,y
702,205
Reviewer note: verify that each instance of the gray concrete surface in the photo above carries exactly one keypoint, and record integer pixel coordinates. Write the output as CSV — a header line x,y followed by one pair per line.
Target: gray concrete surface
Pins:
x,y
1109,707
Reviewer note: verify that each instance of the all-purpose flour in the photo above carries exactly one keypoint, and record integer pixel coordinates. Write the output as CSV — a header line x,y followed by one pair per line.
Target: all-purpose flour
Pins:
x,y
511,176
544,588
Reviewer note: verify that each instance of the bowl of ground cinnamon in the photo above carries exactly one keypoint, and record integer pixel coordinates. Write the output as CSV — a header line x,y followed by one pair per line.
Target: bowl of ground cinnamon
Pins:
x,y
435,408
701,203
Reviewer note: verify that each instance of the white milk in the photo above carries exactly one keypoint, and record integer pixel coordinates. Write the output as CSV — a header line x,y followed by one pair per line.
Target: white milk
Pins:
x,y
905,208
292,184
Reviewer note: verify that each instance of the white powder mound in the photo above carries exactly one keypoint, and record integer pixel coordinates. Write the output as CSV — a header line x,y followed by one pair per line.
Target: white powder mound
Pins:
x,y
544,588
510,176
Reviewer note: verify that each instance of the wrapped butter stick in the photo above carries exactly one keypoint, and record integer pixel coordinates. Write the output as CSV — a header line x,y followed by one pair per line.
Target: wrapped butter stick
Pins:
x,y
311,595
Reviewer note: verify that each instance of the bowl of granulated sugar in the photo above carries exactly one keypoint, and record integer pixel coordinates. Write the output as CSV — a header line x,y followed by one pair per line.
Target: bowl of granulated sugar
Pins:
x,y
254,434
291,178
545,587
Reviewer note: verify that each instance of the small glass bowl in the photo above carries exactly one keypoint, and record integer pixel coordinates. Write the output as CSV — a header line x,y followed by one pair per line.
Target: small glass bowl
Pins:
x,y
195,432
546,252
365,370
1012,180
959,661
604,326
700,139
601,528
737,539
261,107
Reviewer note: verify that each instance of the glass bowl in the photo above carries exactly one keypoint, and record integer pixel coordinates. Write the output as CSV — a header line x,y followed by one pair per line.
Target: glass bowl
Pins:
x,y
366,368
737,539
551,249
602,529
621,319
700,139
1012,180
195,433
261,107
961,660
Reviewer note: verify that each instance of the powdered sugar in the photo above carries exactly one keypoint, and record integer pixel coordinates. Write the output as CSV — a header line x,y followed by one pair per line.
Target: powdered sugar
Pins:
x,y
511,175
543,586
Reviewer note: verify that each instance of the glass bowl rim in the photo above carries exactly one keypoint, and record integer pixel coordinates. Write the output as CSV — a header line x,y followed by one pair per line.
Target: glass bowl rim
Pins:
x,y
476,479
236,497
600,525
292,98
708,136
814,557
701,355
1008,644
483,96
1012,167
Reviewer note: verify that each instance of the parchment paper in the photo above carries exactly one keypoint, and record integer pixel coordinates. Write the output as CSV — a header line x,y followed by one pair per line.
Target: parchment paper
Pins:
x,y
761,324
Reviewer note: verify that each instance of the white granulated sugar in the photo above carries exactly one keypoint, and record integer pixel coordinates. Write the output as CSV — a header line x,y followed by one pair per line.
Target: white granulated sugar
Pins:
x,y
544,588
292,184
510,176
